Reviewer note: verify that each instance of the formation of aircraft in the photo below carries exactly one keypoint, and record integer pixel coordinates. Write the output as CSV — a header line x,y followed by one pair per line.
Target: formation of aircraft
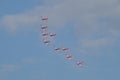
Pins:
x,y
46,41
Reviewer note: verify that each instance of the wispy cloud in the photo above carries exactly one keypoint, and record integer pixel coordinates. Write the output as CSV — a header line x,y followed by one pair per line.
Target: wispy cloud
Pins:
x,y
8,67
90,18
85,13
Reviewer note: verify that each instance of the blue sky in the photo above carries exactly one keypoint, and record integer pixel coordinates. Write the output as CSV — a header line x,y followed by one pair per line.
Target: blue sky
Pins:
x,y
89,28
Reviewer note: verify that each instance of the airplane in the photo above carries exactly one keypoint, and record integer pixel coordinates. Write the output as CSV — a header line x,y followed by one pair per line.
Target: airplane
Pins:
x,y
45,34
68,56
79,63
47,42
57,49
52,34
44,27
65,49
44,19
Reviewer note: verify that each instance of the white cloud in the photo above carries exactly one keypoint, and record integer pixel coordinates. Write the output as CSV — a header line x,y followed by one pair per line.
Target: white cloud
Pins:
x,y
86,13
14,22
90,18
8,67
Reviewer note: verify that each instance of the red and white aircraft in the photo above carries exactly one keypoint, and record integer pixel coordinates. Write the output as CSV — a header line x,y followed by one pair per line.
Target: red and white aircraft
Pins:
x,y
47,42
52,34
57,49
44,19
45,34
44,27
65,49
68,56
79,63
